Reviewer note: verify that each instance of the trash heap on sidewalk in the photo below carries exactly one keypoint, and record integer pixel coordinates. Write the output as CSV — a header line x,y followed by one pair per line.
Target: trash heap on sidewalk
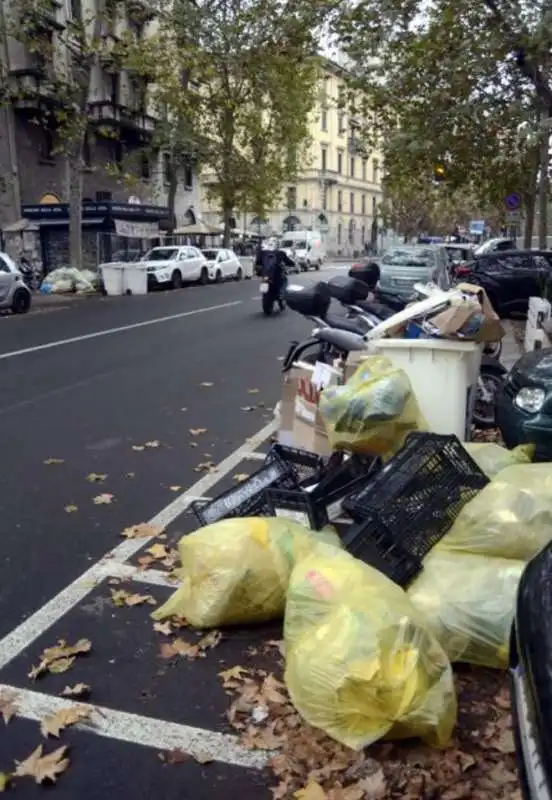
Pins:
x,y
69,280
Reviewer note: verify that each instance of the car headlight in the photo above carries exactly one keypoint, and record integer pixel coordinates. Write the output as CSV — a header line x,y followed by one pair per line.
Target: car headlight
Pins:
x,y
530,399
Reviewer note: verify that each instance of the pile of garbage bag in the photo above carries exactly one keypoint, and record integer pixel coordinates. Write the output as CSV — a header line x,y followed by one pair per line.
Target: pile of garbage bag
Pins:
x,y
70,280
373,412
491,458
237,570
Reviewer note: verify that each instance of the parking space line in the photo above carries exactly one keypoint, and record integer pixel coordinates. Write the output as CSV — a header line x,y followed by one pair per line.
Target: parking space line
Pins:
x,y
38,623
121,329
137,729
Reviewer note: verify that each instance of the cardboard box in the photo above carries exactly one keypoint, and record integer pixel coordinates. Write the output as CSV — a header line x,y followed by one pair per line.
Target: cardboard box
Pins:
x,y
300,422
492,330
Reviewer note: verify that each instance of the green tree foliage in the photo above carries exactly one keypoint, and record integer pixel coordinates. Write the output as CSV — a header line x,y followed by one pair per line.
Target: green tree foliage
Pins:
x,y
251,75
442,86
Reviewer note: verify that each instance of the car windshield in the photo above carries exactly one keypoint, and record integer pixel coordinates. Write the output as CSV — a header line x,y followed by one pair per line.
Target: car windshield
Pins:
x,y
408,258
210,255
161,254
289,243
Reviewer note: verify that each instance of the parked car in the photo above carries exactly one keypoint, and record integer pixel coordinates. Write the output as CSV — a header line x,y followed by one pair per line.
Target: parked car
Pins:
x,y
524,405
174,266
531,683
496,245
403,266
459,255
510,278
224,264
14,293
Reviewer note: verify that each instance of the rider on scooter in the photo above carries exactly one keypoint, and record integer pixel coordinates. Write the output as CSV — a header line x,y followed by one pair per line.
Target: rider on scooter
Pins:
x,y
271,263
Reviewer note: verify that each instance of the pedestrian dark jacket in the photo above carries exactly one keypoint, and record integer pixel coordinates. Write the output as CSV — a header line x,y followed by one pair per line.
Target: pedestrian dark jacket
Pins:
x,y
273,265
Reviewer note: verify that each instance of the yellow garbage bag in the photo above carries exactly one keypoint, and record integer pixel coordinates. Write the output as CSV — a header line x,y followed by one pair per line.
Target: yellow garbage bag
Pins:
x,y
491,458
237,570
510,518
373,412
468,603
366,667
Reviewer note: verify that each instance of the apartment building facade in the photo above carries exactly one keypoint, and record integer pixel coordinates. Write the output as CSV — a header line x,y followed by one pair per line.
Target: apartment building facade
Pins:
x,y
125,183
337,190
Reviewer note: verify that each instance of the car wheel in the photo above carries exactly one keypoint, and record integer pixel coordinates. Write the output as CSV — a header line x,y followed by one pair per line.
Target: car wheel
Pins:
x,y
218,276
21,302
318,265
176,279
204,276
239,274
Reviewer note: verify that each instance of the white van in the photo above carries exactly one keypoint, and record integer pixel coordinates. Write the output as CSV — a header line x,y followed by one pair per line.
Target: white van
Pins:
x,y
307,247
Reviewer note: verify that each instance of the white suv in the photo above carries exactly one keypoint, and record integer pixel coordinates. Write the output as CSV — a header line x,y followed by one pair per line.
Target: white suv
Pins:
x,y
14,293
175,265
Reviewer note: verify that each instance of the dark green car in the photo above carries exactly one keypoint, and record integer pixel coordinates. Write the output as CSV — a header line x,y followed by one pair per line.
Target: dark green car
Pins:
x,y
524,406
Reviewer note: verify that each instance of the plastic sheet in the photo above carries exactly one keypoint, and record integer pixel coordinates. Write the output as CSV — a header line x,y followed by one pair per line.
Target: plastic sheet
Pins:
x,y
237,570
468,604
373,412
510,518
360,664
491,458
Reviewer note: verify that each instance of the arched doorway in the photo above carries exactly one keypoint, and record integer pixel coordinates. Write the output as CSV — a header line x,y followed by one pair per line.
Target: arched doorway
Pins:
x,y
291,223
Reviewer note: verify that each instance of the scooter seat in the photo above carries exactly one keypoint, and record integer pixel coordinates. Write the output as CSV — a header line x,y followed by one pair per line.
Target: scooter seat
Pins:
x,y
310,301
377,309
344,324
347,290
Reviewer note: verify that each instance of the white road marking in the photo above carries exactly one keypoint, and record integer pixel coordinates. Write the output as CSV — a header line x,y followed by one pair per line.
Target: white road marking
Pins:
x,y
109,331
146,731
21,637
256,456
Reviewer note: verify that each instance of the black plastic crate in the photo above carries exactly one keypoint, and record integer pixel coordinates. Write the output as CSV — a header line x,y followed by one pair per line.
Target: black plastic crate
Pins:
x,y
247,499
297,505
371,543
348,475
419,493
306,466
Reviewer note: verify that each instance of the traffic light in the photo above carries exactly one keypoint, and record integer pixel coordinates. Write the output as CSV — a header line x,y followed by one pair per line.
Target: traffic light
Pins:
x,y
439,173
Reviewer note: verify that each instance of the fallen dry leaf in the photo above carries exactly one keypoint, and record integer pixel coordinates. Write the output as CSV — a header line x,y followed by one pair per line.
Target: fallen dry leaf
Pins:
x,y
53,724
207,384
197,431
145,561
179,647
4,781
8,705
312,791
210,640
233,674
252,391
157,551
120,598
78,690
175,756
175,488
138,447
60,658
206,466
43,768
241,477
153,444
50,461
247,408
70,509
103,499
96,477
163,627
202,758
130,474
141,531
184,408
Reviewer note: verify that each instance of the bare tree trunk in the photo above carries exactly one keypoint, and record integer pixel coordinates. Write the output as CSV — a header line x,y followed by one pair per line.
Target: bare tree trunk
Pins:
x,y
171,196
529,206
74,182
543,188
227,212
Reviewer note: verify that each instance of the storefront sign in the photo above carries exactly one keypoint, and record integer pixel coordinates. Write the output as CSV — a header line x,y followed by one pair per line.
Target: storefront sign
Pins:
x,y
136,230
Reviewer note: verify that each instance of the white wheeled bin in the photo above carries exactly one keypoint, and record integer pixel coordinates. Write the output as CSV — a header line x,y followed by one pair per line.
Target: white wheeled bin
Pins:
x,y
444,378
113,278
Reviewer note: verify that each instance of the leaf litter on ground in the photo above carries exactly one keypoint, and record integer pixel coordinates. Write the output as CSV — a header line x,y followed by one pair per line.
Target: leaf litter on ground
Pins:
x,y
197,431
308,765
60,657
43,767
96,477
54,724
77,690
121,598
143,530
52,461
187,649
8,705
103,499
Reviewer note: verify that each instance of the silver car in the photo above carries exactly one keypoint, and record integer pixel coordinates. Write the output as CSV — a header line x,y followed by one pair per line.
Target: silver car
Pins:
x,y
14,293
403,266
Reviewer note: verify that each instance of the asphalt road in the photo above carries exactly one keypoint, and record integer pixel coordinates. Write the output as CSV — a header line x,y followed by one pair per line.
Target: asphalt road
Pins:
x,y
80,387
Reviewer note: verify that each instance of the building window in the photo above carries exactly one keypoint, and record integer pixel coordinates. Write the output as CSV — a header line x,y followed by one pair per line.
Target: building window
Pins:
x,y
340,162
339,233
352,202
118,154
47,144
373,206
363,204
76,10
324,119
340,201
325,198
363,239
188,177
341,123
352,167
324,158
145,171
167,167
363,169
352,232
114,89
291,198
375,167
